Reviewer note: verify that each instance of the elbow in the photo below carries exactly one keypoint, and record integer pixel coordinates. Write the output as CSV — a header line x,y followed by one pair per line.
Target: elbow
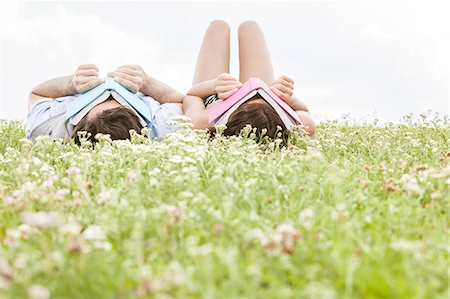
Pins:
x,y
307,122
311,128
199,124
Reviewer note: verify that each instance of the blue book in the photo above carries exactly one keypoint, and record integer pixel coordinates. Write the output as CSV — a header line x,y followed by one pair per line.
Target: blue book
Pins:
x,y
79,107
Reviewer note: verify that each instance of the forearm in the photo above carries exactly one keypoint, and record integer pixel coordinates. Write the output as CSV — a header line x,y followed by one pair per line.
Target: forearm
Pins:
x,y
55,88
296,104
303,113
307,121
203,89
160,91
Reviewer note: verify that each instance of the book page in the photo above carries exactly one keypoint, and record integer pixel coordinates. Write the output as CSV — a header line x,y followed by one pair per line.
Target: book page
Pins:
x,y
286,118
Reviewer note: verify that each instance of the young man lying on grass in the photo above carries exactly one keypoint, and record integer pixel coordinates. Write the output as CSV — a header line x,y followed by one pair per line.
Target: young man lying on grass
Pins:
x,y
47,105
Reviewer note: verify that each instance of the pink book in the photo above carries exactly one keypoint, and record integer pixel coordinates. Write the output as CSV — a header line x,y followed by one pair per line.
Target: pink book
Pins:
x,y
219,114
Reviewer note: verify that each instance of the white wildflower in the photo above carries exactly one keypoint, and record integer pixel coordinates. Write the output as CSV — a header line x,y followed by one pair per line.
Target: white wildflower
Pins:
x,y
132,176
306,218
104,196
41,219
259,235
176,159
105,245
406,245
94,232
154,172
74,172
36,161
38,292
71,227
200,250
435,195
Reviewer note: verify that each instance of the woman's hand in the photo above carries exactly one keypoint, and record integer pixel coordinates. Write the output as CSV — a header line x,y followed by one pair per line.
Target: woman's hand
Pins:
x,y
226,85
85,78
132,77
283,87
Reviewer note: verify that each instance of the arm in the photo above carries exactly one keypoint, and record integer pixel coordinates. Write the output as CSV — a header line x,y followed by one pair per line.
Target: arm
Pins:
x,y
194,108
283,87
160,91
224,86
84,78
203,89
134,78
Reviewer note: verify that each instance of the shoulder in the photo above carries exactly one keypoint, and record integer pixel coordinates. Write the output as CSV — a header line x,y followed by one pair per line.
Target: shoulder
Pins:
x,y
45,110
163,119
56,127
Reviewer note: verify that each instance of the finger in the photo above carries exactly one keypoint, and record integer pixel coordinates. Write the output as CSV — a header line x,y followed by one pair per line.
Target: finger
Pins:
x,y
87,72
129,71
278,93
228,83
227,94
130,66
224,88
126,83
287,83
89,85
288,79
88,66
282,88
226,76
136,80
83,80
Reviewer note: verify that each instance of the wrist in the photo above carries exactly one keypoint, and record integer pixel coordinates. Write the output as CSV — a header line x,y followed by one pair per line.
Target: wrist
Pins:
x,y
213,86
70,88
147,85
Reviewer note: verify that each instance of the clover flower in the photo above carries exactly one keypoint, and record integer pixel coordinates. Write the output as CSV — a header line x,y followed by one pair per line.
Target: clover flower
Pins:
x,y
41,219
38,292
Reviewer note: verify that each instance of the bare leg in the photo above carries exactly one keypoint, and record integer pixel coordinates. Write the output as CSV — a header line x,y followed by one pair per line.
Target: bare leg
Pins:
x,y
254,57
214,56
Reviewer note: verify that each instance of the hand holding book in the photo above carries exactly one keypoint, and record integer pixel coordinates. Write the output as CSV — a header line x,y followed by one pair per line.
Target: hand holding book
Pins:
x,y
283,87
132,77
85,78
226,85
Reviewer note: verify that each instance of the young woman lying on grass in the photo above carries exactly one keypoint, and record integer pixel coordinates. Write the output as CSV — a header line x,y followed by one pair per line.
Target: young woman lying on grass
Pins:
x,y
212,83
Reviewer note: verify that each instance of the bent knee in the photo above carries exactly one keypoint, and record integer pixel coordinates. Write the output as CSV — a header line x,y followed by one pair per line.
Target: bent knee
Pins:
x,y
219,25
249,25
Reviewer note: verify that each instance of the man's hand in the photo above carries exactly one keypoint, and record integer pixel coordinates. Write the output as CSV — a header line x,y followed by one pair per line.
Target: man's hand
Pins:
x,y
226,85
85,78
131,77
283,87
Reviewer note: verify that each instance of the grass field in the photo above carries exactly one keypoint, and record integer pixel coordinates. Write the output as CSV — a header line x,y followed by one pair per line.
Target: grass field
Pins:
x,y
361,212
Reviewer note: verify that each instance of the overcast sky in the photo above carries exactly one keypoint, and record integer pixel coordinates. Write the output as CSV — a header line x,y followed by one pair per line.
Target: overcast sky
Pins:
x,y
369,59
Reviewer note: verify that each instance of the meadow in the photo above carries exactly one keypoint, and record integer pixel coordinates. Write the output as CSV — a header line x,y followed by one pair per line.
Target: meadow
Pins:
x,y
359,212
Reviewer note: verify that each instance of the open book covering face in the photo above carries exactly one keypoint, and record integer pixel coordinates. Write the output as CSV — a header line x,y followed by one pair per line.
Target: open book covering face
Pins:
x,y
219,114
286,118
107,95
86,101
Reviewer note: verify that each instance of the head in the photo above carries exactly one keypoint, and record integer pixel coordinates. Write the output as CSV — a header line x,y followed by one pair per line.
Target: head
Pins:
x,y
110,118
260,115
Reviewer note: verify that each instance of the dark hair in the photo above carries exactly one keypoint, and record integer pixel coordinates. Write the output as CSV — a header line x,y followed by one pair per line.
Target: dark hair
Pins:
x,y
258,115
117,122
